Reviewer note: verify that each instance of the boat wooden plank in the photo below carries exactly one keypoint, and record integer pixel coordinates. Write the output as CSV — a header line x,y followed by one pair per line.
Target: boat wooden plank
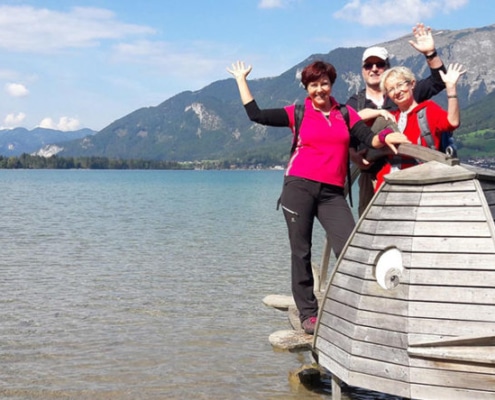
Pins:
x,y
459,186
392,213
333,351
355,269
380,353
425,228
379,384
331,335
368,318
333,366
445,278
425,213
398,199
370,303
368,287
425,292
372,227
354,253
442,311
466,294
457,199
333,358
365,333
452,261
417,327
448,365
453,379
452,244
379,369
441,392
451,229
381,242
433,244
429,173
473,214
465,185
483,355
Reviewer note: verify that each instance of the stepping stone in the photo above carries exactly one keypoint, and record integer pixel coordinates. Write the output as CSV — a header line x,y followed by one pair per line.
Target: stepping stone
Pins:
x,y
291,340
279,302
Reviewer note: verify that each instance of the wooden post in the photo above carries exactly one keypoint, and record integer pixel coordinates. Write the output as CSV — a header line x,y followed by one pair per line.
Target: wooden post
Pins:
x,y
336,389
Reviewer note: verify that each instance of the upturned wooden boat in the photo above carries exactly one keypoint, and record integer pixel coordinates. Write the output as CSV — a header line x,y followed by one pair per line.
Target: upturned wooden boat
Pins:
x,y
409,308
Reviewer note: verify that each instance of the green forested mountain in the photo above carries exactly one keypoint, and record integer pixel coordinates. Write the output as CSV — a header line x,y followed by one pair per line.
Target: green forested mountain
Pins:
x,y
211,123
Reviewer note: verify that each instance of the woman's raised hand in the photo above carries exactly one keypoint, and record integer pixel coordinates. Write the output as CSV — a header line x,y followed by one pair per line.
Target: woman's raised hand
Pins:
x,y
239,70
454,71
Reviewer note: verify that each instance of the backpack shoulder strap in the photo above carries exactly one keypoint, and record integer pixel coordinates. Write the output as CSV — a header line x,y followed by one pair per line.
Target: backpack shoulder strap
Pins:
x,y
345,113
425,128
361,97
298,117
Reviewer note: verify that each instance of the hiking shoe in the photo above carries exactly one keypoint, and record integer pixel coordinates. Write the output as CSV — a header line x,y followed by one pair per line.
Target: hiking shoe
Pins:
x,y
309,325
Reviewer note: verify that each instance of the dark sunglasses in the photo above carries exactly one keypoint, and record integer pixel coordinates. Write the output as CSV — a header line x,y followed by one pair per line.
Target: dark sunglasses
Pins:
x,y
379,64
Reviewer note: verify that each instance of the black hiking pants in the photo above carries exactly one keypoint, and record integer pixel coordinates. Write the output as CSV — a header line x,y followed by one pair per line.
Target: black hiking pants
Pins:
x,y
302,200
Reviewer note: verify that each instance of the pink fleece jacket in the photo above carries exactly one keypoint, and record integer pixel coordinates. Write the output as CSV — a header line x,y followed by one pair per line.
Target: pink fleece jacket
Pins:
x,y
322,150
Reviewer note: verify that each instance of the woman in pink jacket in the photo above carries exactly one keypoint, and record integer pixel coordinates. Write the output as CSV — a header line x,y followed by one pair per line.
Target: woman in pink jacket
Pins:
x,y
316,173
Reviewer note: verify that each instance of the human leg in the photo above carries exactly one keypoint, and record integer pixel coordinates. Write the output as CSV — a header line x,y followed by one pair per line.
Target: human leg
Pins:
x,y
298,205
366,190
335,216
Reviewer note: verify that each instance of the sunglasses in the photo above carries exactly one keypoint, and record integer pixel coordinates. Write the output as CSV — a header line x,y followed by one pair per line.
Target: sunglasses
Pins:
x,y
380,65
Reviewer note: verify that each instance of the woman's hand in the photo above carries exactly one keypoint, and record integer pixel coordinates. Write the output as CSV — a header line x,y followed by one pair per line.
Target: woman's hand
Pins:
x,y
239,70
450,78
395,138
357,157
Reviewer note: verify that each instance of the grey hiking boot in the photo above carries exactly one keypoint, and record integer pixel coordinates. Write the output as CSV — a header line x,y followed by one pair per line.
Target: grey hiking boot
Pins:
x,y
309,325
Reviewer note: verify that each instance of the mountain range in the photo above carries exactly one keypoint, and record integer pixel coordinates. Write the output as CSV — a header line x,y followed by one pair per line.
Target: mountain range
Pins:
x,y
17,141
211,124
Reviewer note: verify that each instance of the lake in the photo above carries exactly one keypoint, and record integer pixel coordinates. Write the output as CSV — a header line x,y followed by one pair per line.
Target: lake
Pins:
x,y
144,285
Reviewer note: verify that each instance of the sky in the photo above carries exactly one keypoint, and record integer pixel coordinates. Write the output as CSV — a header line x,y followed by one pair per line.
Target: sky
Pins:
x,y
73,64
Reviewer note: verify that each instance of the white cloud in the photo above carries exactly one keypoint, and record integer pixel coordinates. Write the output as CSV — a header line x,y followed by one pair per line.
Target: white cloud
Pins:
x,y
63,124
13,120
40,30
271,4
195,61
375,12
16,89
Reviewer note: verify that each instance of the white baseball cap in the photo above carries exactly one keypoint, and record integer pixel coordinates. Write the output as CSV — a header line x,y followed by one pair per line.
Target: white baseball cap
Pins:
x,y
376,51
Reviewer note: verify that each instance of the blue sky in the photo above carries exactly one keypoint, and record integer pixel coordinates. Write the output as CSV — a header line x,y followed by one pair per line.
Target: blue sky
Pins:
x,y
83,64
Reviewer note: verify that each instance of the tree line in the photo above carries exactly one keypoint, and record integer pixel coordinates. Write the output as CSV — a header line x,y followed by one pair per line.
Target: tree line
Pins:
x,y
26,161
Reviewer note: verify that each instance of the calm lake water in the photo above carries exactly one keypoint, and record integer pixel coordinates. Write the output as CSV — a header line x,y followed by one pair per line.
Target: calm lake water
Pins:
x,y
144,285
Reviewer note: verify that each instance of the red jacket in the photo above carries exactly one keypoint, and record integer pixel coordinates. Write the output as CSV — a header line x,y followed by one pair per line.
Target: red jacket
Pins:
x,y
438,123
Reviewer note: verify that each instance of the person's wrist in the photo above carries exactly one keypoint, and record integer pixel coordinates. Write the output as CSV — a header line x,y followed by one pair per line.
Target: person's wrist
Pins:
x,y
383,134
431,55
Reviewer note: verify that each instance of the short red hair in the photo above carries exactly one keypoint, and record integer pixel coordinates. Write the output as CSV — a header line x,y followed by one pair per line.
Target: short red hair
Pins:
x,y
316,70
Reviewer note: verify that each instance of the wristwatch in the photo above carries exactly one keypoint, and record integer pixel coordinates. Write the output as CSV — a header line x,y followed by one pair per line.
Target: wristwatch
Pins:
x,y
432,55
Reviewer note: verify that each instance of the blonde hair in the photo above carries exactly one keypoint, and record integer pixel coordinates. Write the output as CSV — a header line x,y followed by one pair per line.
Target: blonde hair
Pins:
x,y
400,71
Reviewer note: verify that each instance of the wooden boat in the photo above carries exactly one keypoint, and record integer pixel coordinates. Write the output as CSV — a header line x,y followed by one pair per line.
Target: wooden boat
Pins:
x,y
409,308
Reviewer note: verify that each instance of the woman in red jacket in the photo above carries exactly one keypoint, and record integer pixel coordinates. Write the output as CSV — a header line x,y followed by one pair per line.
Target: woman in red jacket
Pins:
x,y
399,83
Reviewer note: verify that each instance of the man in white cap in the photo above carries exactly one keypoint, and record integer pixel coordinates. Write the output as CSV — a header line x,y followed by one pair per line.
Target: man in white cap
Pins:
x,y
371,103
